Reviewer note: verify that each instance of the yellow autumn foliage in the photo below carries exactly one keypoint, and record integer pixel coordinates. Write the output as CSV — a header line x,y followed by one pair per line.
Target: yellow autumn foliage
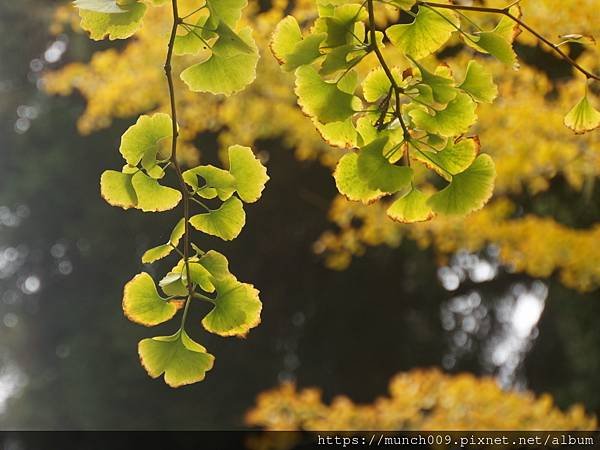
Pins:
x,y
418,400
523,131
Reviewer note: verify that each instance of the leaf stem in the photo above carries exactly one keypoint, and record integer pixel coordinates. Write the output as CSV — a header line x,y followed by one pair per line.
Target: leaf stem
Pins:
x,y
374,47
506,12
183,188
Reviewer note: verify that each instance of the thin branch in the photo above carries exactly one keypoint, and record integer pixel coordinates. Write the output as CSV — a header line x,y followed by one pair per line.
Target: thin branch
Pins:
x,y
506,12
183,188
397,89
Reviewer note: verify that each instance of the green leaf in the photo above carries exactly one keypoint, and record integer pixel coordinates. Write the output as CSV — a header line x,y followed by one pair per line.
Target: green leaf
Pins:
x,y
351,184
100,6
286,36
377,85
583,117
468,191
164,250
117,189
411,207
229,69
142,141
227,11
426,34
177,233
479,83
378,172
156,253
495,44
142,304
455,158
456,119
152,197
322,100
110,24
190,43
221,182
343,26
216,264
236,308
338,134
226,222
180,359
441,87
249,173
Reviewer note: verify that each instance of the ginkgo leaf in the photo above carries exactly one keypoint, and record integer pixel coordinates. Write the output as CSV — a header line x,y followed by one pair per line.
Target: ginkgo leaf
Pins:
x,y
343,26
341,58
351,184
156,253
430,30
305,52
221,182
190,42
226,222
338,134
456,119
101,6
111,24
468,191
153,197
495,44
378,172
142,304
164,250
322,100
236,308
179,358
216,264
249,173
455,158
285,37
229,69
440,84
411,207
583,117
227,11
479,83
377,85
142,141
117,189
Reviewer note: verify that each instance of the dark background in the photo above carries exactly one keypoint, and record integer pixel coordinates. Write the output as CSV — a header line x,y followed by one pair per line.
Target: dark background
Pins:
x,y
68,356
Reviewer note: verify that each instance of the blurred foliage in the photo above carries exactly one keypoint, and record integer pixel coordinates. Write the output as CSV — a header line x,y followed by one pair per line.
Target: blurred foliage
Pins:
x,y
523,131
418,400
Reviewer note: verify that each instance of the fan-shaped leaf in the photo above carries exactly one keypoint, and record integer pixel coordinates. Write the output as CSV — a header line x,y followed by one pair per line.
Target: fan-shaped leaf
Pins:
x,y
583,117
322,100
236,308
110,23
179,358
249,173
411,207
229,69
117,189
351,184
378,172
456,119
468,191
152,197
479,83
142,304
226,222
426,34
